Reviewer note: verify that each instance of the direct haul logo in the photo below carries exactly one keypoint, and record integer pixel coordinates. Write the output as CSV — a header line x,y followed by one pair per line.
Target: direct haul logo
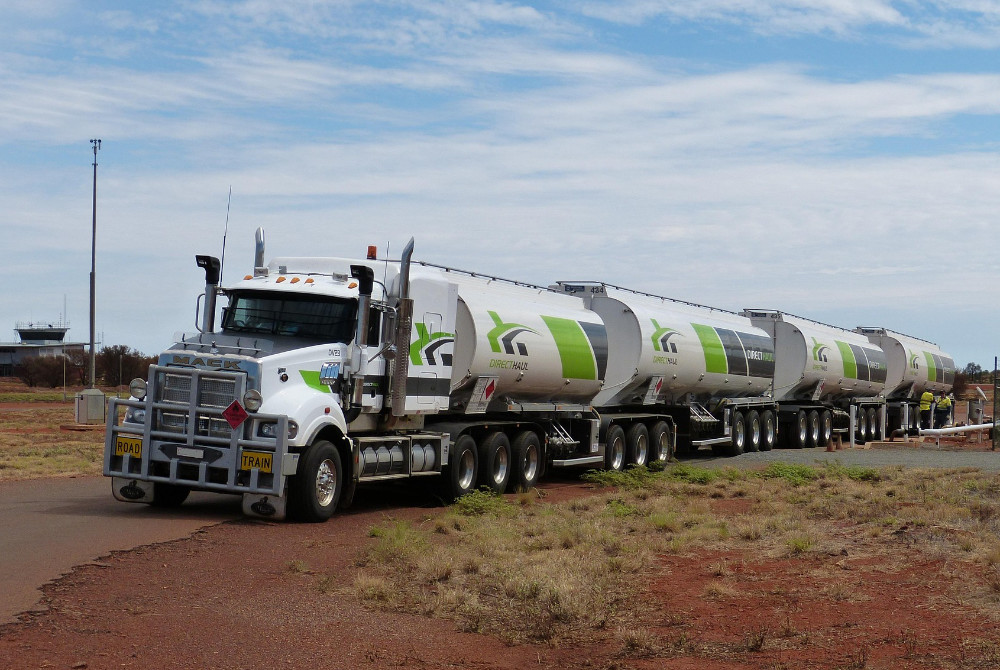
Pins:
x,y
582,346
662,343
427,347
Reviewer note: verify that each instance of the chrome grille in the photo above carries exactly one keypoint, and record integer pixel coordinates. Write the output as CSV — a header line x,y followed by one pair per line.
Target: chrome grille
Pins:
x,y
217,393
175,388
193,389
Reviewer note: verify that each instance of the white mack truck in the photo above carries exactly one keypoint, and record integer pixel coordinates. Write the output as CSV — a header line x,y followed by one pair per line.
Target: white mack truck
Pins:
x,y
322,377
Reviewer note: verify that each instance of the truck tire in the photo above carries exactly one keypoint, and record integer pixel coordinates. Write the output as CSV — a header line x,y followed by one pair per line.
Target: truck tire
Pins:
x,y
494,461
861,418
462,467
874,427
753,430
614,448
314,491
659,442
637,443
814,428
169,495
738,433
800,430
825,427
526,458
769,433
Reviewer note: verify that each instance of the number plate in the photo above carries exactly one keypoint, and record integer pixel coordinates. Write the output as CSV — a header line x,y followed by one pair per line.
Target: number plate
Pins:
x,y
128,445
256,459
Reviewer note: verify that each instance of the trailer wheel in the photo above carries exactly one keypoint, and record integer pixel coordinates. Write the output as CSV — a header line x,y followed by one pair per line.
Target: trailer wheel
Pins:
x,y
753,430
637,441
659,442
738,432
801,436
862,425
314,491
463,465
526,456
814,428
769,434
494,461
614,448
169,495
825,427
873,424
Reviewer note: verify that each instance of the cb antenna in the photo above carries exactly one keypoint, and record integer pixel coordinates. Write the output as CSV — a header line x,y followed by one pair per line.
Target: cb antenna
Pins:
x,y
225,233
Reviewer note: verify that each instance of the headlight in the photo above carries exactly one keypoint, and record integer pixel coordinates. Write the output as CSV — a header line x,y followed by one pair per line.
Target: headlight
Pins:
x,y
252,400
270,429
134,415
137,388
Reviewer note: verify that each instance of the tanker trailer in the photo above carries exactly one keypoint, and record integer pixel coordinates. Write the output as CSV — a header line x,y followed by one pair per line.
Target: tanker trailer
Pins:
x,y
914,366
702,374
822,376
321,378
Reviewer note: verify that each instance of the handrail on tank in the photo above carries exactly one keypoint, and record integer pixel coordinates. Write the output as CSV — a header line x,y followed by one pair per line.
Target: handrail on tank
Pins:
x,y
878,330
796,316
484,276
649,295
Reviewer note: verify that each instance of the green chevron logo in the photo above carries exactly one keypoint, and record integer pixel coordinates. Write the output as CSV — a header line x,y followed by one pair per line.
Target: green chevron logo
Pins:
x,y
426,347
501,337
661,338
820,351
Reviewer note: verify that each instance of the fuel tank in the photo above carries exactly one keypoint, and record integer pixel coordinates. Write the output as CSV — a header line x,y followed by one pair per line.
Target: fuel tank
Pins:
x,y
817,362
660,349
914,365
515,343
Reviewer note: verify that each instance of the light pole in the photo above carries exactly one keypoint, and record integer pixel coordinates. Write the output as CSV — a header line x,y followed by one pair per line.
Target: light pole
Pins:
x,y
93,275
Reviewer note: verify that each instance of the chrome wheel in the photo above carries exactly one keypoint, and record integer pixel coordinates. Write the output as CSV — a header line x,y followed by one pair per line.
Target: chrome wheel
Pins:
x,y
466,470
326,482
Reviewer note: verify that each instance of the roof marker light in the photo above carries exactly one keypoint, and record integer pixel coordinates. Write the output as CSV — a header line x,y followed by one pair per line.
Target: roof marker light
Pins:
x,y
280,279
309,281
371,252
353,284
295,280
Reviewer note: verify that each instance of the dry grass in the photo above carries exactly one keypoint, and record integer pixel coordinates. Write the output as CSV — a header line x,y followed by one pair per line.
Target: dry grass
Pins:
x,y
560,573
32,445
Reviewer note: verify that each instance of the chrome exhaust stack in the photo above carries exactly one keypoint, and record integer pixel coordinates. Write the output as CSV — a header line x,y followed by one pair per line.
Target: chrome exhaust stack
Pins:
x,y
213,270
259,269
404,324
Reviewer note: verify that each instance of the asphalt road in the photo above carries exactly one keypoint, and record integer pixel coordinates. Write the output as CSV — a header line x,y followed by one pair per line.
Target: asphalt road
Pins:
x,y
48,526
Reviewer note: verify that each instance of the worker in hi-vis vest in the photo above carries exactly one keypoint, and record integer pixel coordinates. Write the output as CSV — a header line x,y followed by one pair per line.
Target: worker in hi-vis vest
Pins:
x,y
942,412
925,409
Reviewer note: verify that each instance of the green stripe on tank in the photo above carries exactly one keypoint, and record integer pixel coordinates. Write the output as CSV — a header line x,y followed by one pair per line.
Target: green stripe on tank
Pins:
x,y
574,348
715,354
931,368
850,365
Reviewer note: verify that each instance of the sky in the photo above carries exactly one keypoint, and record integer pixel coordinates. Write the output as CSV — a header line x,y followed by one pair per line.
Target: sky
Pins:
x,y
834,159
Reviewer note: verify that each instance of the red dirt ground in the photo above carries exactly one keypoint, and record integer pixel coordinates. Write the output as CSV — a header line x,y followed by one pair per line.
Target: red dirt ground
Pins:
x,y
228,598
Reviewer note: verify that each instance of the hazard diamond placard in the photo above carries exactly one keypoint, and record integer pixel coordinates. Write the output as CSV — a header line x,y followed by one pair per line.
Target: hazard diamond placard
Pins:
x,y
235,414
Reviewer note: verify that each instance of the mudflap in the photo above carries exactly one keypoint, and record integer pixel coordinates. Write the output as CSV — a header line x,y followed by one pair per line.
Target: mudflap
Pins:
x,y
264,506
132,490
347,497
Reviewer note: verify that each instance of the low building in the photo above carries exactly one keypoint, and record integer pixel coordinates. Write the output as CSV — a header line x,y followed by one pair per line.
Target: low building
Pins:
x,y
36,339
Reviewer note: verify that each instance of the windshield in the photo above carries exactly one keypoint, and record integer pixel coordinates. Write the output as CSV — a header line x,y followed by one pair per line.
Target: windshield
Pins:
x,y
310,317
